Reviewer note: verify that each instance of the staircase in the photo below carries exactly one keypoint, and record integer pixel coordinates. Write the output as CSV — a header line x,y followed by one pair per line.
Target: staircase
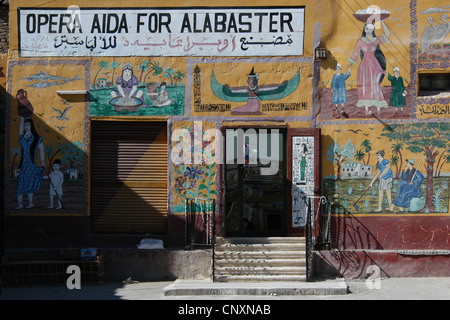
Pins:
x,y
260,259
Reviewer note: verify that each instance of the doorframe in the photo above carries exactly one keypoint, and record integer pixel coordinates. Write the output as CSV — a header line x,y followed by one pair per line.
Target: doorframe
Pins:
x,y
221,167
310,132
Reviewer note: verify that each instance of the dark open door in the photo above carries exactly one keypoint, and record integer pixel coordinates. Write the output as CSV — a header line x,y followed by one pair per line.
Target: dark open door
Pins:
x,y
255,201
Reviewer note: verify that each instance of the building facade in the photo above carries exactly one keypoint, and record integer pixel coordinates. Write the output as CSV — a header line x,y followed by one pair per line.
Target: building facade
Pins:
x,y
115,115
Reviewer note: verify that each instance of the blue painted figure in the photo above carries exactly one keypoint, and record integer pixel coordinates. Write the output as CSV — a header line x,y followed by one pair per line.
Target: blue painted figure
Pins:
x,y
338,89
408,186
384,172
30,176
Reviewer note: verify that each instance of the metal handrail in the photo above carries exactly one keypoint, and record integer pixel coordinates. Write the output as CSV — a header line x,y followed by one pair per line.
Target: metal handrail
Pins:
x,y
323,216
308,242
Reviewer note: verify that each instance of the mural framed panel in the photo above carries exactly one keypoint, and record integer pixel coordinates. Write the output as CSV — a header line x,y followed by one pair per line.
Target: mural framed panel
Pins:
x,y
388,169
146,86
280,91
47,140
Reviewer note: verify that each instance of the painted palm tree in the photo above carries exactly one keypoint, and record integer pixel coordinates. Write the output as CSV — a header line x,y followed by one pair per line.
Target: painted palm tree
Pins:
x,y
114,65
154,69
142,68
102,66
397,150
359,155
394,162
178,77
168,73
367,146
446,159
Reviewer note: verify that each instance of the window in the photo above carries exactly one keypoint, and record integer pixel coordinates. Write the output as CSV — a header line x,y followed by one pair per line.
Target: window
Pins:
x,y
434,84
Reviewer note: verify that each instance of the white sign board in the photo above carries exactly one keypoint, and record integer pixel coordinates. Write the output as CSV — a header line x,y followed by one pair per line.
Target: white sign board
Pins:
x,y
73,31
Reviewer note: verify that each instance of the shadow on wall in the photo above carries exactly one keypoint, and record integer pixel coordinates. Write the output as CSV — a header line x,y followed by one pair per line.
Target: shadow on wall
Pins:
x,y
47,179
354,254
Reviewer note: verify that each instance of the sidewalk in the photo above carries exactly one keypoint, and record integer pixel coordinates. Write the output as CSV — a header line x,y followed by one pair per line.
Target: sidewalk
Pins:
x,y
389,289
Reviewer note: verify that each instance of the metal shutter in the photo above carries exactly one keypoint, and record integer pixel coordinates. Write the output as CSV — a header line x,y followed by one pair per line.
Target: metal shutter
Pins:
x,y
129,162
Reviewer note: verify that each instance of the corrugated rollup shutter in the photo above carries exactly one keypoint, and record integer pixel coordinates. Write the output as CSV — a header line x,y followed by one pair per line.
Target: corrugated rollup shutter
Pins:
x,y
129,176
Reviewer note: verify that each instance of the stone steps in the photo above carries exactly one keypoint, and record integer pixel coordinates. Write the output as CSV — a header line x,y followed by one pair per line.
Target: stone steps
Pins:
x,y
260,259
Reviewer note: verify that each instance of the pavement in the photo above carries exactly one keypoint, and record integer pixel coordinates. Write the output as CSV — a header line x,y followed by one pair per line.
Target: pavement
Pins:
x,y
327,289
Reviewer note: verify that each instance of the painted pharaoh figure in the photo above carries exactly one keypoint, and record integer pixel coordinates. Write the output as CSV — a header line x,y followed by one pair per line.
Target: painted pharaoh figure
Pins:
x,y
253,92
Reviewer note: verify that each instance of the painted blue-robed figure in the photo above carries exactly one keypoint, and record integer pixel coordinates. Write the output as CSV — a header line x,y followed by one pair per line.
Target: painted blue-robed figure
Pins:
x,y
409,186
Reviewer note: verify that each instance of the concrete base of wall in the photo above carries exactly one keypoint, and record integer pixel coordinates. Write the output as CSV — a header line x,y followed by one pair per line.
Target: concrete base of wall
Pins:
x,y
156,265
391,263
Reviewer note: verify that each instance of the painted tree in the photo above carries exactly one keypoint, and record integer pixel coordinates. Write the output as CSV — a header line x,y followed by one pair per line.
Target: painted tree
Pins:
x,y
154,69
339,155
397,150
178,77
142,68
360,155
72,154
168,73
439,165
446,160
427,139
101,66
367,146
394,162
114,65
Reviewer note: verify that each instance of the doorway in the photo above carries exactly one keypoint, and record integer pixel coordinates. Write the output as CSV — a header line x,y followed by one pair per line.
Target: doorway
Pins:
x,y
255,182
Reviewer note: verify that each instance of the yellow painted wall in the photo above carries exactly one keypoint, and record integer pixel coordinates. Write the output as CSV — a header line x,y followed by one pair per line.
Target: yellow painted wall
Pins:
x,y
330,22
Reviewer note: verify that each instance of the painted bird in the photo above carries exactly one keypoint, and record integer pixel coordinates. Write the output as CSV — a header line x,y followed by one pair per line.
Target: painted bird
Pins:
x,y
62,114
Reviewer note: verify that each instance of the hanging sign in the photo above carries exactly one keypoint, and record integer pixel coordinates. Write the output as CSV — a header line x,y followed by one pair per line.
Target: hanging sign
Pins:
x,y
74,31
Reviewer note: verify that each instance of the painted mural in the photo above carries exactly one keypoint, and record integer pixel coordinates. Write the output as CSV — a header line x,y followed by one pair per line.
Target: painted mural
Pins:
x,y
431,50
253,93
385,149
404,170
147,88
195,176
47,166
251,88
434,44
376,80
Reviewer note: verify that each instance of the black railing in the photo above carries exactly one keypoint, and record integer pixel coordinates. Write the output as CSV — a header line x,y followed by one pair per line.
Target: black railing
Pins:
x,y
309,242
200,216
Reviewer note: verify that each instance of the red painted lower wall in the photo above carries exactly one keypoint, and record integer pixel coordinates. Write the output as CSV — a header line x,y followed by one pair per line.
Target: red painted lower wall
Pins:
x,y
391,232
355,264
391,243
